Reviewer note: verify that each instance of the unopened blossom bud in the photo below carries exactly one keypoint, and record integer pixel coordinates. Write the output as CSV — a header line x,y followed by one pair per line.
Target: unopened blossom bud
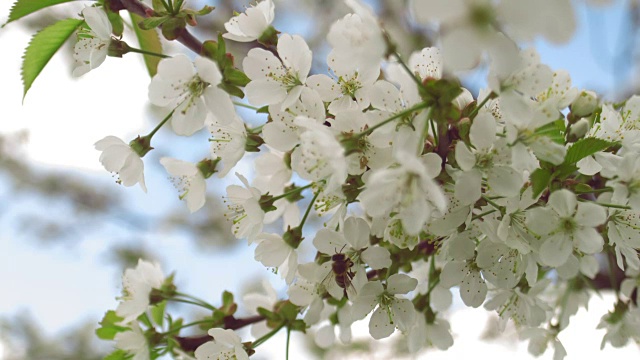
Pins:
x,y
585,104
579,129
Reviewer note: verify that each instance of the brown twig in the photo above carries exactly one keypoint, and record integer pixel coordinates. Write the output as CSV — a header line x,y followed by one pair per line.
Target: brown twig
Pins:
x,y
138,8
191,343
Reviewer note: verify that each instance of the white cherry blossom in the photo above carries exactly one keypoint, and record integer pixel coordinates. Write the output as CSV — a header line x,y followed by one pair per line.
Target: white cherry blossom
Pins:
x,y
356,38
134,342
566,224
391,311
93,45
119,158
283,133
274,80
251,24
320,156
273,251
192,89
226,344
137,285
189,181
228,142
408,189
245,211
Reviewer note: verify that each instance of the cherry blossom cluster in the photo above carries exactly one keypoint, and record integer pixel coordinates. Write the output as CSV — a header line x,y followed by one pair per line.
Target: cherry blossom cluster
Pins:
x,y
515,197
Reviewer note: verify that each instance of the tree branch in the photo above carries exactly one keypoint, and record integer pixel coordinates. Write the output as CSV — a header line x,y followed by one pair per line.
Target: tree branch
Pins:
x,y
191,343
138,8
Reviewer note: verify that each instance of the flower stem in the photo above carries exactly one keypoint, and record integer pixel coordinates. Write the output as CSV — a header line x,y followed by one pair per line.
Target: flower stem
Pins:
x,y
306,213
490,202
237,103
204,303
406,68
164,121
482,103
594,191
185,301
417,107
296,190
207,321
288,341
475,217
614,206
266,337
145,52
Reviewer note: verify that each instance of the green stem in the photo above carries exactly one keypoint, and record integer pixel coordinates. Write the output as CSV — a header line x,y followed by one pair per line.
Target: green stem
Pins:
x,y
266,337
475,217
164,121
425,132
296,190
166,6
406,68
185,301
612,271
288,341
435,132
482,103
237,103
306,213
396,116
614,206
145,52
490,202
594,191
204,303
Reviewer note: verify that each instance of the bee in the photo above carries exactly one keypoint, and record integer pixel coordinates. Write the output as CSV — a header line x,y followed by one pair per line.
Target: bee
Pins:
x,y
341,273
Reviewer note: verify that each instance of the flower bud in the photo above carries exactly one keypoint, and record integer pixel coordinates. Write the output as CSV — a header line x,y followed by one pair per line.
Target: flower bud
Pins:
x,y
579,129
585,104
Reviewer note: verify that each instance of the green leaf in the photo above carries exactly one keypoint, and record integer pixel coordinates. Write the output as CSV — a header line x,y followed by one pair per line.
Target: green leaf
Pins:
x,y
117,355
173,27
108,326
152,22
157,312
554,131
232,90
148,41
22,8
236,77
42,46
116,22
540,180
585,147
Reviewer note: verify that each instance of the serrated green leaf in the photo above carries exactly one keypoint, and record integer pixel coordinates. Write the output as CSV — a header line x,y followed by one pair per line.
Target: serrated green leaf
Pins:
x,y
108,326
585,147
42,46
22,8
157,313
117,355
148,41
152,22
540,179
554,131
